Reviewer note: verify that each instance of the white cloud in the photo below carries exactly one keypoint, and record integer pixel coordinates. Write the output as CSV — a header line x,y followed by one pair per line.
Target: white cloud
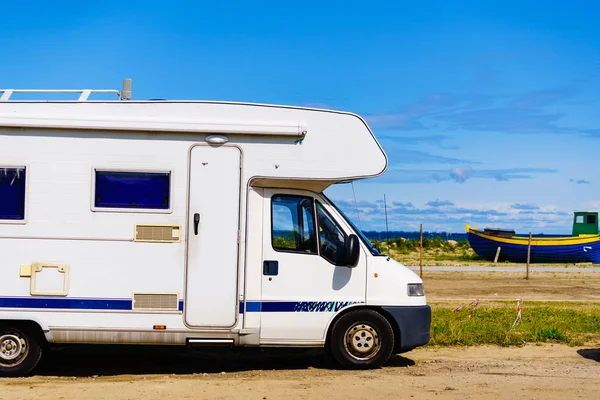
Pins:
x,y
461,174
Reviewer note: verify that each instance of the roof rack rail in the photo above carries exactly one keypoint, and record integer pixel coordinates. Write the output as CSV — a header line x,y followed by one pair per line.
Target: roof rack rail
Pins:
x,y
124,94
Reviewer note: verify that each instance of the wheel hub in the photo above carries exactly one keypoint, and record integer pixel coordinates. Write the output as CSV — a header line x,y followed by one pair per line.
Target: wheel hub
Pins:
x,y
12,347
362,341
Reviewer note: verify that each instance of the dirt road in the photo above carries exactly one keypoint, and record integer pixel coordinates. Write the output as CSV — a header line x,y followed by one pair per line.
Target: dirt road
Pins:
x,y
542,286
530,372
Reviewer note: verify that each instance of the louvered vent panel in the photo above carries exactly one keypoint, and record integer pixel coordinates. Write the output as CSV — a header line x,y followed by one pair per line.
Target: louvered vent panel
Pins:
x,y
157,233
155,301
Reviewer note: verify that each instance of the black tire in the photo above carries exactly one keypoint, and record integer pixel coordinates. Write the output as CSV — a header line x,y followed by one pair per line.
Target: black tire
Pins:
x,y
20,349
361,339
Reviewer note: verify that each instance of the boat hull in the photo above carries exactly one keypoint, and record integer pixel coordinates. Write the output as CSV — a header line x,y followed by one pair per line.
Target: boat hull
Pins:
x,y
543,250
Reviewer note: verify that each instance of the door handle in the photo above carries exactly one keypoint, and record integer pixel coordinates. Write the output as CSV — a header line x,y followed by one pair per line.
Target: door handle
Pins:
x,y
196,223
270,268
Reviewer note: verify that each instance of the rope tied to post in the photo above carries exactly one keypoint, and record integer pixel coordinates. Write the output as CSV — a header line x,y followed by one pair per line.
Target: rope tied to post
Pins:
x,y
473,303
519,313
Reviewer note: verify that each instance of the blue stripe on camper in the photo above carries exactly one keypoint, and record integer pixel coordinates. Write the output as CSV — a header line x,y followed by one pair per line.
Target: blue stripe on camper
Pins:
x,y
126,304
251,306
294,306
66,303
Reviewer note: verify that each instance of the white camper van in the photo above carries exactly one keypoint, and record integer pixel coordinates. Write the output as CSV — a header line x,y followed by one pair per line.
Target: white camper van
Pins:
x,y
191,223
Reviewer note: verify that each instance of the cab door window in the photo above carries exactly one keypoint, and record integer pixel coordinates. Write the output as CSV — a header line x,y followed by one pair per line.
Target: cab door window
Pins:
x,y
331,237
293,224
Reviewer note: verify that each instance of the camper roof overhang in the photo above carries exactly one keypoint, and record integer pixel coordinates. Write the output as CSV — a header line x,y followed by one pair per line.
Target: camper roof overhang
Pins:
x,y
149,124
290,145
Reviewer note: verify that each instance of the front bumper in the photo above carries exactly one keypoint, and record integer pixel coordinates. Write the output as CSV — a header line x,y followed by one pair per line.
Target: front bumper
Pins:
x,y
414,324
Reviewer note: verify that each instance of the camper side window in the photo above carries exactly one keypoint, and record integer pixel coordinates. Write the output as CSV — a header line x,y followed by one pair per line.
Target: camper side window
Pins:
x,y
12,193
293,224
129,190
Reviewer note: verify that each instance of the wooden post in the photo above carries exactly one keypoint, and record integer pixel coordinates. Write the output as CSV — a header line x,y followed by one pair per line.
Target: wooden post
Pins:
x,y
387,235
421,251
528,256
497,254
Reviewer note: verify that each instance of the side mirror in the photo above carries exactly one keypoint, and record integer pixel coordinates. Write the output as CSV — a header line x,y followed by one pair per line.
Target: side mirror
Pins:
x,y
352,251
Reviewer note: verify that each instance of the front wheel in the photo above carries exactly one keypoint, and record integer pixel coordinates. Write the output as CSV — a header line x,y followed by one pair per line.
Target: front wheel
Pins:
x,y
20,350
361,339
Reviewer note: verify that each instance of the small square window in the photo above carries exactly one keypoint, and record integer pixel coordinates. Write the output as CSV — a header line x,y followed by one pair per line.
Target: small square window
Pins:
x,y
591,219
12,193
132,190
579,219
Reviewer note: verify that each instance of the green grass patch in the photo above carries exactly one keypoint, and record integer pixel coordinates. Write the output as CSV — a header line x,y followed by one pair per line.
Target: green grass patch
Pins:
x,y
463,255
434,249
492,325
405,246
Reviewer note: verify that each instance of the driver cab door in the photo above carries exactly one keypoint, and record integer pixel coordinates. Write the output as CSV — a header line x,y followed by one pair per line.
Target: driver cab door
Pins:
x,y
302,287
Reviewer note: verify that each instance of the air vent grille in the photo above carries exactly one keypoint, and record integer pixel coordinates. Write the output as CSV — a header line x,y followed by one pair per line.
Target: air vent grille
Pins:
x,y
157,233
155,301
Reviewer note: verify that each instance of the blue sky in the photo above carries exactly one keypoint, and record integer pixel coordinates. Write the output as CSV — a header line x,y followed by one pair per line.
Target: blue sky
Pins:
x,y
488,110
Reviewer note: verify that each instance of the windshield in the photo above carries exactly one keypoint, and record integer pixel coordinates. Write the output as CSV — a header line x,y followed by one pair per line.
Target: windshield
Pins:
x,y
358,232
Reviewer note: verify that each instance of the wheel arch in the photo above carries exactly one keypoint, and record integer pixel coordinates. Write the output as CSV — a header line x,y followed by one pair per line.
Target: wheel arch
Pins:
x,y
385,314
27,324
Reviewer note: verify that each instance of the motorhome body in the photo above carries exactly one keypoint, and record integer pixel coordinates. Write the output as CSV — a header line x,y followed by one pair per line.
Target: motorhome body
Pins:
x,y
192,223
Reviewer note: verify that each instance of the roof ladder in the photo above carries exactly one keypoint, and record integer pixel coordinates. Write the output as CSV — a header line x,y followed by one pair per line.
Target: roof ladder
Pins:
x,y
124,94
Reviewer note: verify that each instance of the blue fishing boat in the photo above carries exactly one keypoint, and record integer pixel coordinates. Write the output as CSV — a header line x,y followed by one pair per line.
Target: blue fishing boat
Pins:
x,y
505,245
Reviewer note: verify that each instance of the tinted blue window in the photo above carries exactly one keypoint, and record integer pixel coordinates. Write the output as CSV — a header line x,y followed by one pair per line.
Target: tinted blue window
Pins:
x,y
12,193
132,190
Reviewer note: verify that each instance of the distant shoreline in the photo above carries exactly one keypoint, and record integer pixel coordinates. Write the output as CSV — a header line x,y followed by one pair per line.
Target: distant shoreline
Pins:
x,y
382,235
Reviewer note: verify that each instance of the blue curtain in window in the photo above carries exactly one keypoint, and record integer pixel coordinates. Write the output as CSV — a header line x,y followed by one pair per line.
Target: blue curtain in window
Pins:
x,y
147,190
12,193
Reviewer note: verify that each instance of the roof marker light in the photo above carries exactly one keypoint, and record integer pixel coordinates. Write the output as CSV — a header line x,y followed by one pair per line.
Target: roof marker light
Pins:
x,y
217,139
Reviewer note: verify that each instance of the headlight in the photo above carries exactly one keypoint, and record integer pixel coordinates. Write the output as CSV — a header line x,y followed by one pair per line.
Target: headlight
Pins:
x,y
416,289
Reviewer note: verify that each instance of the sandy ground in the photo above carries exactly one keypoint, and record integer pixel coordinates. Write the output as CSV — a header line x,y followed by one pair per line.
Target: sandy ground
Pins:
x,y
543,286
530,372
